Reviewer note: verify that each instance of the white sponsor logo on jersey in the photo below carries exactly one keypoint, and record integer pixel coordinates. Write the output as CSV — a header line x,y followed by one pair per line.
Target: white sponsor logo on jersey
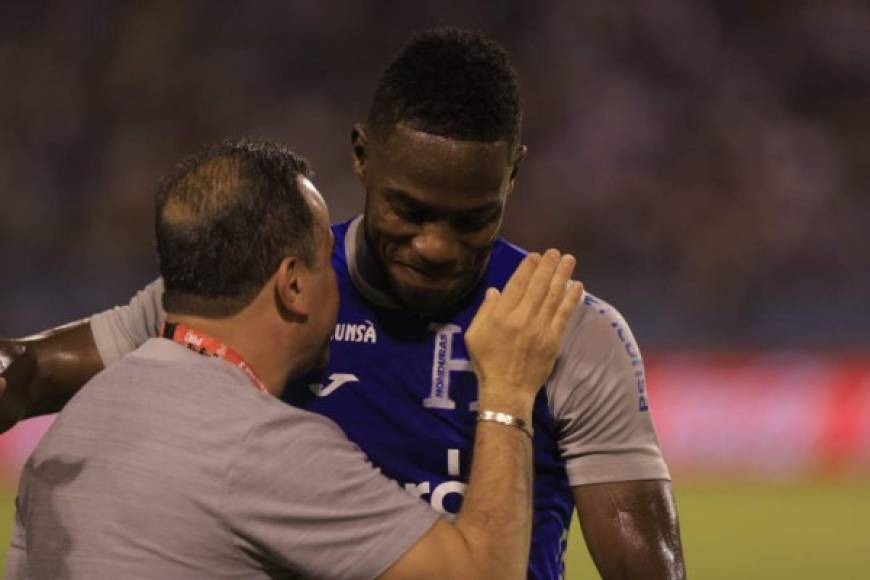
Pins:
x,y
335,380
349,332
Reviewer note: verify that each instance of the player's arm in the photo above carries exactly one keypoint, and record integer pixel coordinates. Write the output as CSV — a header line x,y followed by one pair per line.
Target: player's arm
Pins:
x,y
43,371
631,529
511,346
40,373
620,482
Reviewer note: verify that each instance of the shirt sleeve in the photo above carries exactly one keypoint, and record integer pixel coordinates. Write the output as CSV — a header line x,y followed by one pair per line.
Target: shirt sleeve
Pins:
x,y
16,557
598,396
123,329
303,497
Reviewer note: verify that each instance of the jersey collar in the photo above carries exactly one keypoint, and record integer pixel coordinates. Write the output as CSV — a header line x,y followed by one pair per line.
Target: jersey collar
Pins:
x,y
360,265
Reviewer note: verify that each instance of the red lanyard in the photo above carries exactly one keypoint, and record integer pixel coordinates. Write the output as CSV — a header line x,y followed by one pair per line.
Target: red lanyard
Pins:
x,y
208,346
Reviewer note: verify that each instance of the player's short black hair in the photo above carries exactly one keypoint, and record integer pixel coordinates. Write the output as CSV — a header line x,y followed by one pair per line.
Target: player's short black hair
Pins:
x,y
453,83
225,219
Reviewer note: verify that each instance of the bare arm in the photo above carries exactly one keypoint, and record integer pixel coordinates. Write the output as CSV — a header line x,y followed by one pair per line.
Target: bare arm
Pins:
x,y
631,529
513,342
490,538
612,457
45,371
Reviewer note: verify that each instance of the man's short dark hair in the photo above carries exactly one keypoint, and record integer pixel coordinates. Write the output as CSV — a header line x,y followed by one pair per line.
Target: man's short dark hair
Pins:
x,y
225,219
453,83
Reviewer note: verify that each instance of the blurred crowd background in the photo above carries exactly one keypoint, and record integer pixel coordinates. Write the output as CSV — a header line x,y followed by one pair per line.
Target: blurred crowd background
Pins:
x,y
708,161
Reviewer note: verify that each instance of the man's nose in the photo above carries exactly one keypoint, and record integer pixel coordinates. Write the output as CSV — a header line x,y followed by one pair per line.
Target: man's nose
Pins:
x,y
436,244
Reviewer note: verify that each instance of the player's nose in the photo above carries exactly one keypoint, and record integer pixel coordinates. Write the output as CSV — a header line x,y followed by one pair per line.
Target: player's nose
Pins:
x,y
437,245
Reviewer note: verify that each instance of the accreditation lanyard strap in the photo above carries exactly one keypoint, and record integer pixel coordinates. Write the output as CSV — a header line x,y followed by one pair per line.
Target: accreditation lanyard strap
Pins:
x,y
206,345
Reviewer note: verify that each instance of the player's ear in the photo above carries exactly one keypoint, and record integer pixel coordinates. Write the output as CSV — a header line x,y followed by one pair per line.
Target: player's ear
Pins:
x,y
291,288
519,155
359,149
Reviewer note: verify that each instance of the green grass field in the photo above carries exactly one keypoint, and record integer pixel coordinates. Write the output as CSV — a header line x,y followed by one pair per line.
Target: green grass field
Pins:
x,y
810,530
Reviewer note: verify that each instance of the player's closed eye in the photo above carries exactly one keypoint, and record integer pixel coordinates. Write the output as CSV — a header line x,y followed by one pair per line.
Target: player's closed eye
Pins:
x,y
467,224
412,215
473,221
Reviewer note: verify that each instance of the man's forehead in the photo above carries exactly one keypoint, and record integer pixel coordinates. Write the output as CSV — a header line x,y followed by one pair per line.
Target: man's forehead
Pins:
x,y
403,137
419,163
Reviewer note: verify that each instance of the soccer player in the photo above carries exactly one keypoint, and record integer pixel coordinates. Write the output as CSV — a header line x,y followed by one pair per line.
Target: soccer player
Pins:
x,y
438,156
179,462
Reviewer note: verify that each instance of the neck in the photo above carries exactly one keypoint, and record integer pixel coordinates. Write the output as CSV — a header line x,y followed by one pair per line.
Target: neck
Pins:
x,y
266,356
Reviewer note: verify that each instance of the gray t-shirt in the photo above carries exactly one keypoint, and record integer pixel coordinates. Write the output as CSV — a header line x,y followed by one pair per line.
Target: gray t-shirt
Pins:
x,y
596,393
171,465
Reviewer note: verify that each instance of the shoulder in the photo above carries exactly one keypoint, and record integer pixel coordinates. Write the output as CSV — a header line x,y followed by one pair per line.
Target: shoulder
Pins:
x,y
597,394
598,328
165,380
599,359
121,330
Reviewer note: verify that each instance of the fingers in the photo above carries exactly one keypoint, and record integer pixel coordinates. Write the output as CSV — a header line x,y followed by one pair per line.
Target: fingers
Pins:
x,y
490,299
515,289
539,290
558,286
540,281
566,308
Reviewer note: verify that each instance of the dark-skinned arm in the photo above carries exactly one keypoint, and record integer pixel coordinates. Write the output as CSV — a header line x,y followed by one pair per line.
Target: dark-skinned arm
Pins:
x,y
631,529
620,482
45,370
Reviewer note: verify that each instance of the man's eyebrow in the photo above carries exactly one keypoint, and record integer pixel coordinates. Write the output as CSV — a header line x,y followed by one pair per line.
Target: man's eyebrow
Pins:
x,y
485,208
397,195
402,197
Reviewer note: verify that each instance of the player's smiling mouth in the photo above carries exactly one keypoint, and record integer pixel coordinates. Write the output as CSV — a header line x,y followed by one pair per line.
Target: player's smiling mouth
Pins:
x,y
418,277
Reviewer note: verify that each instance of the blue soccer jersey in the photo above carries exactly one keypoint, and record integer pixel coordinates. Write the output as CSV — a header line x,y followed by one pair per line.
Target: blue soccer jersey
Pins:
x,y
402,388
